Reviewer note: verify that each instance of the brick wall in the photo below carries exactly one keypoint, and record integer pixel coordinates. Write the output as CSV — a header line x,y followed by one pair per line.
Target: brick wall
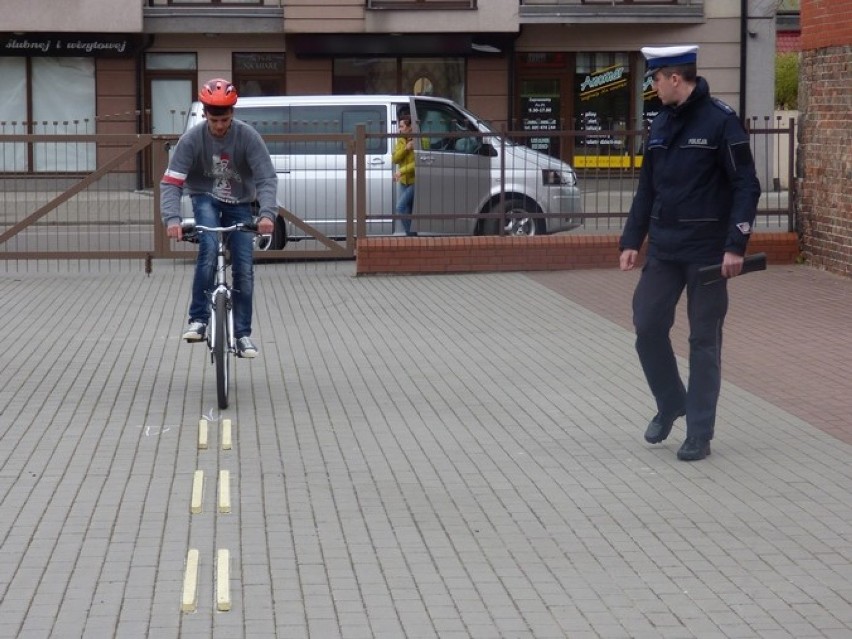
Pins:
x,y
825,23
825,130
545,253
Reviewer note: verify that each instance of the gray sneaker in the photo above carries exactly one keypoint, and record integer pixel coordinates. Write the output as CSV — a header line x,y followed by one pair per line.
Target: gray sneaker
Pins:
x,y
246,348
195,332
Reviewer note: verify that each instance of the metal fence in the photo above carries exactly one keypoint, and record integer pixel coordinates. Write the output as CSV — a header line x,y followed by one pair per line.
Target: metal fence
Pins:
x,y
95,197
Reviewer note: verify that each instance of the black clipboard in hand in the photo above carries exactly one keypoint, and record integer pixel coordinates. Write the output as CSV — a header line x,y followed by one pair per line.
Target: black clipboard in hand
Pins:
x,y
710,274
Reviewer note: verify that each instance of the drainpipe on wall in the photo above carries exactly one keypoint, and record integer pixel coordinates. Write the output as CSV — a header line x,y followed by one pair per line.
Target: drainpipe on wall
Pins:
x,y
743,57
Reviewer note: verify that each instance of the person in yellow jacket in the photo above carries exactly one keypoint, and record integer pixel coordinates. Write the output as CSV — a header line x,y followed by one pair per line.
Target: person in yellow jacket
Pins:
x,y
403,158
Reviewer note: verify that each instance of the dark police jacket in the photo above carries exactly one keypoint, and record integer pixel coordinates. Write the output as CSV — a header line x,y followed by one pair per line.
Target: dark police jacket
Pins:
x,y
698,191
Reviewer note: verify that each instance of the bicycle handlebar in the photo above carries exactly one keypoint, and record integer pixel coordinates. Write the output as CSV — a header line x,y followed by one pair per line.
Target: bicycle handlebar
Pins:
x,y
189,231
188,225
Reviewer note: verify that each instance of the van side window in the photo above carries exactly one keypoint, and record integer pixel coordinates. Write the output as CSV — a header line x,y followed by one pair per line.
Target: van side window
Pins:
x,y
435,119
336,119
267,120
374,118
313,120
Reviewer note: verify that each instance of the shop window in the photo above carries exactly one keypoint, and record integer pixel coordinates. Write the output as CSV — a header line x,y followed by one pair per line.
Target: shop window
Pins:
x,y
170,62
442,77
650,102
257,74
602,109
13,113
61,101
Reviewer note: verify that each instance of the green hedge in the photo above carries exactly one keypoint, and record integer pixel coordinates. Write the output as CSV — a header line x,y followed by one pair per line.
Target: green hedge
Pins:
x,y
787,81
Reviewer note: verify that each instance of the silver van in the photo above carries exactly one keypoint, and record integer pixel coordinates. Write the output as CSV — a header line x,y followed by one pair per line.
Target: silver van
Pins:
x,y
459,171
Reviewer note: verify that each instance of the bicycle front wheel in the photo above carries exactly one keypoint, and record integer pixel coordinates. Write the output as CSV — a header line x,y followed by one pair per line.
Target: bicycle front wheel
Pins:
x,y
221,350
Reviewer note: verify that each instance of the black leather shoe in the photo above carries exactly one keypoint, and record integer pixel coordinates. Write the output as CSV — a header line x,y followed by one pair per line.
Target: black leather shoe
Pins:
x,y
693,449
660,427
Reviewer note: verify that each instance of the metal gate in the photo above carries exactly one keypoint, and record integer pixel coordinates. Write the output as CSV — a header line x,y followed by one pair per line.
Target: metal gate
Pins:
x,y
316,244
106,212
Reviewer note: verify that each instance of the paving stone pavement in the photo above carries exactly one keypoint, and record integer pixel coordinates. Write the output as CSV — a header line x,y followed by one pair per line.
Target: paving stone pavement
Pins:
x,y
416,457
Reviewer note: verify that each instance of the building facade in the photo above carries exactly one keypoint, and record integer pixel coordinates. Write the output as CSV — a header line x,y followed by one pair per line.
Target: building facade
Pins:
x,y
526,65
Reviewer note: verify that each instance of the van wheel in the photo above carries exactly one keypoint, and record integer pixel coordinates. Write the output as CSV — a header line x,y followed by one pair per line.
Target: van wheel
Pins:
x,y
517,220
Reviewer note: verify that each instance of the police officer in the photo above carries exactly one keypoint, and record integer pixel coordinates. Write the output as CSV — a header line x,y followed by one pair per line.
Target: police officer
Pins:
x,y
696,203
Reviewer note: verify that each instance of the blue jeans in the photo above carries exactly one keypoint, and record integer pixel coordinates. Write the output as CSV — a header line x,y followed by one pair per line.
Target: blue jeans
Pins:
x,y
209,211
405,204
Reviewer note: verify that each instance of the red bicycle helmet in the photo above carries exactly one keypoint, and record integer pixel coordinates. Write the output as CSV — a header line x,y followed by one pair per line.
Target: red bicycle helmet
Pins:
x,y
218,93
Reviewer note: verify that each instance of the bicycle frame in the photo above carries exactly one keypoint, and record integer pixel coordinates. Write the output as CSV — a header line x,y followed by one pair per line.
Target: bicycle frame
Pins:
x,y
221,287
220,334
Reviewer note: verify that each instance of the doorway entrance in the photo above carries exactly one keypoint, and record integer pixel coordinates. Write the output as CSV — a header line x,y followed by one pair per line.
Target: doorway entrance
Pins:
x,y
170,88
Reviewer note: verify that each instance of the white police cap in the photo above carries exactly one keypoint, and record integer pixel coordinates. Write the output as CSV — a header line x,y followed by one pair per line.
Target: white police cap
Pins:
x,y
659,57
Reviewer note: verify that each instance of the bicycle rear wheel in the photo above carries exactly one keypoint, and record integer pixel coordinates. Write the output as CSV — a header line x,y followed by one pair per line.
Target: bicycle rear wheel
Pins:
x,y
221,350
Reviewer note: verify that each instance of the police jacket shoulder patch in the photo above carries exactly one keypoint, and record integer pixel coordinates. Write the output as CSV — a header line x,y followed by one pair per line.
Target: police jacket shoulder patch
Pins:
x,y
723,106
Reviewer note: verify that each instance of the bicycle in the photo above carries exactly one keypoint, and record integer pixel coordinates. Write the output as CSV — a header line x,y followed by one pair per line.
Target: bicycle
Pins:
x,y
220,333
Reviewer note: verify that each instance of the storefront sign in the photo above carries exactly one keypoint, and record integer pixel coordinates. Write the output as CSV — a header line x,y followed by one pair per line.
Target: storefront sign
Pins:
x,y
602,82
540,113
259,62
68,45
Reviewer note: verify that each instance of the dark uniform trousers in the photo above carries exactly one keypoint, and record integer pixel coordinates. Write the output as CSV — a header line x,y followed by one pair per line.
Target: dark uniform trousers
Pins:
x,y
660,286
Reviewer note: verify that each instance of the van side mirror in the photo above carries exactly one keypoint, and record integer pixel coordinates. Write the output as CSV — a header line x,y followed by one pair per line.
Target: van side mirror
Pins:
x,y
487,150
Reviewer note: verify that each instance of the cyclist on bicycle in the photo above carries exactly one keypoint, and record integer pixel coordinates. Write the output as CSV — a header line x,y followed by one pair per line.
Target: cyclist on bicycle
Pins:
x,y
223,165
